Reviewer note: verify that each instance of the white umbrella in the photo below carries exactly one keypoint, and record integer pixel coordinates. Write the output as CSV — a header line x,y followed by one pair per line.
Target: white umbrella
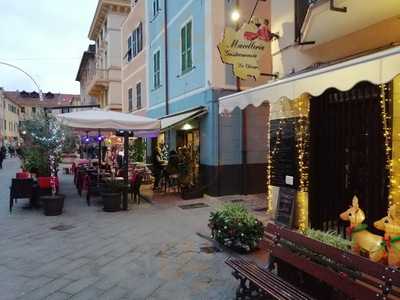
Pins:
x,y
97,119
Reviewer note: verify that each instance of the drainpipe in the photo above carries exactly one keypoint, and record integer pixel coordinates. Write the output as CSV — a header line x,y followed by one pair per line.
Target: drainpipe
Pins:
x,y
166,67
244,133
166,58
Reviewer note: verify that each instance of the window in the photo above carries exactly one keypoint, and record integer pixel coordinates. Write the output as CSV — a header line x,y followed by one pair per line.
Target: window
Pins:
x,y
139,95
134,43
156,7
129,48
5,125
34,110
186,47
23,109
137,40
130,100
156,69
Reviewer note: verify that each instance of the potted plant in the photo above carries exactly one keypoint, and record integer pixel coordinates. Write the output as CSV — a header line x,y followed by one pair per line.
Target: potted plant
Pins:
x,y
111,195
234,227
190,187
53,205
43,142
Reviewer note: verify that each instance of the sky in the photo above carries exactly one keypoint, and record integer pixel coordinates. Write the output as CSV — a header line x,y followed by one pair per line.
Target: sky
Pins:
x,y
45,38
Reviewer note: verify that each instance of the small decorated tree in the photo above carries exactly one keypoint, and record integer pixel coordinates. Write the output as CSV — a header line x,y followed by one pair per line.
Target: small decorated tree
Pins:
x,y
46,135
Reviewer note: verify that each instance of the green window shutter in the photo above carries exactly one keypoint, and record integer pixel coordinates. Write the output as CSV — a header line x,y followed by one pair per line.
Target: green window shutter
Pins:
x,y
189,45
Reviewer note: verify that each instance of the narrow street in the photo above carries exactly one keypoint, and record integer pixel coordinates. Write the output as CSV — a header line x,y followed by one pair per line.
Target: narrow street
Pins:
x,y
150,252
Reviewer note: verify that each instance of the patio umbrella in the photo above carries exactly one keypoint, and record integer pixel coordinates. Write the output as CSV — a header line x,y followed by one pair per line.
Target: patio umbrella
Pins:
x,y
97,119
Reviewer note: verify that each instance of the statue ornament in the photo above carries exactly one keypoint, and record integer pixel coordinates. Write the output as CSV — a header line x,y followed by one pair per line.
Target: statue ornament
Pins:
x,y
391,242
362,239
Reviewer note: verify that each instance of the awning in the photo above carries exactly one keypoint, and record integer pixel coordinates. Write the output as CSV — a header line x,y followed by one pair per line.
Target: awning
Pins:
x,y
377,68
181,117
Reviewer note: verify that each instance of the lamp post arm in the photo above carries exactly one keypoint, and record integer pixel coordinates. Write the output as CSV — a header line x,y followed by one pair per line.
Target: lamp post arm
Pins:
x,y
27,74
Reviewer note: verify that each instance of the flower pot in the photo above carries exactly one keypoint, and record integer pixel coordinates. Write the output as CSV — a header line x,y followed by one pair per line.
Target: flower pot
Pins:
x,y
192,192
111,201
53,205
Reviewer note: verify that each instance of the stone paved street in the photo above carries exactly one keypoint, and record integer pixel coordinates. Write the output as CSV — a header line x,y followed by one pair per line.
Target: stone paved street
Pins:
x,y
149,252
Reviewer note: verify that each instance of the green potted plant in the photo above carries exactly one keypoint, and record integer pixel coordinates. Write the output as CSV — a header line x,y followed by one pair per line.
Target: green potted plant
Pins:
x,y
111,194
137,150
234,227
44,138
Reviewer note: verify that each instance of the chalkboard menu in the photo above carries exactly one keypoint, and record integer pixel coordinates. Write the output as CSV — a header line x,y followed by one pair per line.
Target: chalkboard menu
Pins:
x,y
285,206
284,161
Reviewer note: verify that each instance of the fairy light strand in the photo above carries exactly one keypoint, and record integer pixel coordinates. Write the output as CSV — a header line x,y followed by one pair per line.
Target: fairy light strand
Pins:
x,y
387,133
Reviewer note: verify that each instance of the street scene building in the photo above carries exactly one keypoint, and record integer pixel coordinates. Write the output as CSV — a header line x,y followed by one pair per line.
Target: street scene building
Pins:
x,y
199,139
105,31
134,60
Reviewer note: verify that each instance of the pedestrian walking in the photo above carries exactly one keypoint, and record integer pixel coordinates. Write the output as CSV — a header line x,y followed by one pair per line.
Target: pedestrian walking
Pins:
x,y
3,153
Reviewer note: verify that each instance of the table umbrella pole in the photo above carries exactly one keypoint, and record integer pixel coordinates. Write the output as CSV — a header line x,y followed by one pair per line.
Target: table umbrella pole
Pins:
x,y
99,158
126,162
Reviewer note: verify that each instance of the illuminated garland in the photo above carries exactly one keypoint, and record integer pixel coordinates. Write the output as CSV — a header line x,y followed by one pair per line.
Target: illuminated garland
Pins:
x,y
302,139
271,156
387,136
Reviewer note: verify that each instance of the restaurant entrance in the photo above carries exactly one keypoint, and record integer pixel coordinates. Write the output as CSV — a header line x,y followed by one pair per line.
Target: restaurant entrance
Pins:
x,y
347,155
189,140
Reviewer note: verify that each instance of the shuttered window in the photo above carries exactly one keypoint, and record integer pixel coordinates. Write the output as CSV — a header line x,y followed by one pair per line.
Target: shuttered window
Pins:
x,y
186,47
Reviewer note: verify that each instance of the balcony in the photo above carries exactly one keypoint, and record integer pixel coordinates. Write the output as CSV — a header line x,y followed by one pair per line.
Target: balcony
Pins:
x,y
97,82
327,20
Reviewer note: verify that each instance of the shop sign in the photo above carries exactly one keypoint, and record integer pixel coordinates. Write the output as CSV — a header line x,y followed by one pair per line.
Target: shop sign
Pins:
x,y
243,48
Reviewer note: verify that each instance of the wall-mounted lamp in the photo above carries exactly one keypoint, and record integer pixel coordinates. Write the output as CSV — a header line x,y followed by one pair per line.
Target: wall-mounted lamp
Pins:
x,y
187,126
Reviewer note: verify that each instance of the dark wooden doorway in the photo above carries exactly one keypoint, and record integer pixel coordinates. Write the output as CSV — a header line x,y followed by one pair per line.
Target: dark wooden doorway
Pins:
x,y
347,156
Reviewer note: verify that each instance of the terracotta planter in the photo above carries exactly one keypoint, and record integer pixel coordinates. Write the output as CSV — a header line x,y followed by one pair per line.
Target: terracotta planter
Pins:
x,y
111,201
53,205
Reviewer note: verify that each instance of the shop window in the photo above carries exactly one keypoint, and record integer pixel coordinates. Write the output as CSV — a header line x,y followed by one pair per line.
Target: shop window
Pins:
x,y
156,70
186,47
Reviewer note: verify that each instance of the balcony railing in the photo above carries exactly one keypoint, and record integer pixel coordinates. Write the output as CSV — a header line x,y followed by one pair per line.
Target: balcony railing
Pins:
x,y
301,8
98,75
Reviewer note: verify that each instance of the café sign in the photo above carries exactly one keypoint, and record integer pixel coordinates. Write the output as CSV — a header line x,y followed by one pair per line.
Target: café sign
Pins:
x,y
243,48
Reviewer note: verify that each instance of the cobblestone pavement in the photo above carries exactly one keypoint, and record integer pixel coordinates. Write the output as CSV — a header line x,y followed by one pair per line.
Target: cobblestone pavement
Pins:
x,y
149,252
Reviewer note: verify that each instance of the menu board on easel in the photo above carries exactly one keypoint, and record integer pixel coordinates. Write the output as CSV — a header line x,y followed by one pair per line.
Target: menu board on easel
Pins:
x,y
285,206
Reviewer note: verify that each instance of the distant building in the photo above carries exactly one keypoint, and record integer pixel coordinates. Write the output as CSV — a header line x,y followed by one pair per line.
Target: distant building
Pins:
x,y
104,81
86,71
10,117
30,104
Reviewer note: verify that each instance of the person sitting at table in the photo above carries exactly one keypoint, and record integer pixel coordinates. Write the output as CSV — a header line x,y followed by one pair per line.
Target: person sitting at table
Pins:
x,y
157,167
173,163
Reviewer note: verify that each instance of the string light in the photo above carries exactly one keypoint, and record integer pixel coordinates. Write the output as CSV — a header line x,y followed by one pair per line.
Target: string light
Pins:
x,y
387,134
302,139
272,153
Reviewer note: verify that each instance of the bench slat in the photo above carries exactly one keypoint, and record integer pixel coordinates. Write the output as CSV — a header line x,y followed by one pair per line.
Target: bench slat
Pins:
x,y
269,277
279,290
348,259
344,284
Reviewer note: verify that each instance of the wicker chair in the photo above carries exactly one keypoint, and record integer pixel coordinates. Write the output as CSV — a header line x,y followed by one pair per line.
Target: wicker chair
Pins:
x,y
21,189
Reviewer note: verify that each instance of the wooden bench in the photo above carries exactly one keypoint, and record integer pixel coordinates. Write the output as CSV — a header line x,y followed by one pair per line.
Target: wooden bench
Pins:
x,y
320,270
257,282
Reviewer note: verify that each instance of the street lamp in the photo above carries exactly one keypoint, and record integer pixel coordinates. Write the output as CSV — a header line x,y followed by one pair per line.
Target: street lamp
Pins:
x,y
30,77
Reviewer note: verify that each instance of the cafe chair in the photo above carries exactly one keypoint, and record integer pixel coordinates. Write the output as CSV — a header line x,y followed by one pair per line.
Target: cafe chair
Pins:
x,y
20,189
135,187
